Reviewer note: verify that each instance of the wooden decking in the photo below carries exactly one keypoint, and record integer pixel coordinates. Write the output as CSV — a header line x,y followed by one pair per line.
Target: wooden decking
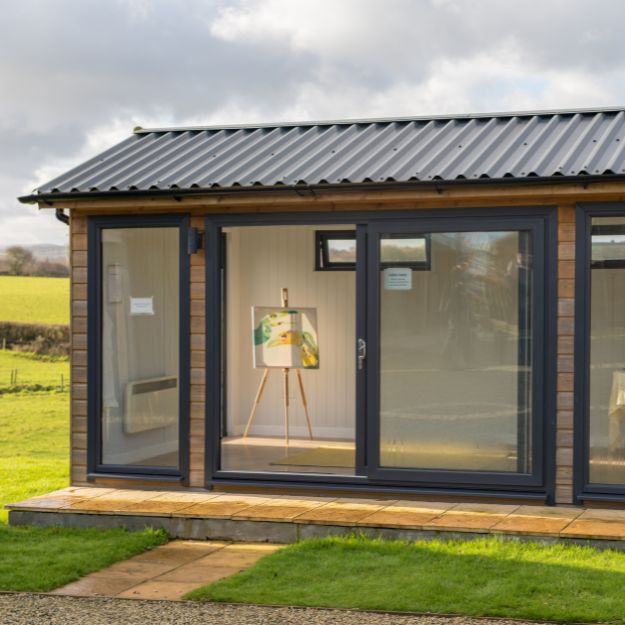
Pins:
x,y
285,519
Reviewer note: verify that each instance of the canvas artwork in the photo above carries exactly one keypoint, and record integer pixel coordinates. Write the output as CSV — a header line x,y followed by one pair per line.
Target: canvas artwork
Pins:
x,y
285,337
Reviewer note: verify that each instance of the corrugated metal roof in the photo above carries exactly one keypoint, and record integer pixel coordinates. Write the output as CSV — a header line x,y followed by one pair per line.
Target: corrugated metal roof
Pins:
x,y
518,146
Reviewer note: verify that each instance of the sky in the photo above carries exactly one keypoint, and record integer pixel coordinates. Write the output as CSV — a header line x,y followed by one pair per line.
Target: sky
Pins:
x,y
76,76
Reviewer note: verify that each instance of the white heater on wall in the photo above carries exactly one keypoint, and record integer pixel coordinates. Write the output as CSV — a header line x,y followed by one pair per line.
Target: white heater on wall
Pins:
x,y
150,404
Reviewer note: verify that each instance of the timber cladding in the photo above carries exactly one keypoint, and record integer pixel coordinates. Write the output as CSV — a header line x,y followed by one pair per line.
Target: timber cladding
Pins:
x,y
78,327
565,355
78,242
198,360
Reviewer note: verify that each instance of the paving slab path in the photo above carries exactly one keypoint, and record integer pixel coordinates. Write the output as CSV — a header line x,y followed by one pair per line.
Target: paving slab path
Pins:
x,y
36,609
169,571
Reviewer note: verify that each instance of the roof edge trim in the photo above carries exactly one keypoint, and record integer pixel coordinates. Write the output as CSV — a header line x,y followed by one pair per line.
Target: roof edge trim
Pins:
x,y
382,120
48,198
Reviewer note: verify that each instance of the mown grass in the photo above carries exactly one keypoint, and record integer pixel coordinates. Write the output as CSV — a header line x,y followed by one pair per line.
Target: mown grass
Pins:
x,y
34,452
39,560
486,577
32,371
34,459
30,299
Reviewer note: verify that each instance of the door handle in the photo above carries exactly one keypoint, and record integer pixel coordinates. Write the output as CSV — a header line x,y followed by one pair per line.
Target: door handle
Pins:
x,y
361,353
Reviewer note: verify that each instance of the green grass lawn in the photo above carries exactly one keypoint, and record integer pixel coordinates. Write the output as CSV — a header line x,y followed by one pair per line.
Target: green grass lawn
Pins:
x,y
34,300
32,371
34,453
486,577
34,459
39,560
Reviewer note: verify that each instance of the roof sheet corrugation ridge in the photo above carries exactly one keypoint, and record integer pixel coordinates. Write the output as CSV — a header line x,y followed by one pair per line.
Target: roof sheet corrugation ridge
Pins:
x,y
522,146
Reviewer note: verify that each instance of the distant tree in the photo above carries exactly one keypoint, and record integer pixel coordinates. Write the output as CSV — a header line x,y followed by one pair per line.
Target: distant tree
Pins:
x,y
19,260
50,269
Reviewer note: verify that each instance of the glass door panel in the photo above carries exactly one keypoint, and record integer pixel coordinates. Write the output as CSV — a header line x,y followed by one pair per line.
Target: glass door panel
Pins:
x,y
455,350
139,421
607,352
289,335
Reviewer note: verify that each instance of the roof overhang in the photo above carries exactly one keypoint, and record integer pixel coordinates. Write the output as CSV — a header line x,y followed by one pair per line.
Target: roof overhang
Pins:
x,y
557,189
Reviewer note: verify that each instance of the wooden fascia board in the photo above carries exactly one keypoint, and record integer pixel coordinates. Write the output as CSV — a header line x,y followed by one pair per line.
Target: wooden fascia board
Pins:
x,y
465,195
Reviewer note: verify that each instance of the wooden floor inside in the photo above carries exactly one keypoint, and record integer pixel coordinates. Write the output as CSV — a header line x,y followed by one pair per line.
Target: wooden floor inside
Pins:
x,y
308,516
265,454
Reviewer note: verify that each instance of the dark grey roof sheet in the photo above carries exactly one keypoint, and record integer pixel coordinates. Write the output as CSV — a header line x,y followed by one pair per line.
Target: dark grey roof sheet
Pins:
x,y
518,146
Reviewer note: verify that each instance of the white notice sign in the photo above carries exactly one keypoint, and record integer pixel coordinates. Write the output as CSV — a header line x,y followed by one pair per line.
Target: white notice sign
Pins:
x,y
141,305
398,279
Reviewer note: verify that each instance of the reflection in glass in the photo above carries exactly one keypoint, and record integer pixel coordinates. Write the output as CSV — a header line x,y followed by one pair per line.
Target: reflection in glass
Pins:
x,y
455,357
341,250
140,296
395,249
608,246
607,352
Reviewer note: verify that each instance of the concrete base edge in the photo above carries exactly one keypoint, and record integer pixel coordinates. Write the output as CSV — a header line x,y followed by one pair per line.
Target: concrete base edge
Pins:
x,y
271,531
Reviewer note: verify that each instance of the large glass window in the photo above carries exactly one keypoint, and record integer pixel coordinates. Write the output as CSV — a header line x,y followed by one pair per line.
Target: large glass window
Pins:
x,y
455,351
289,347
140,347
607,351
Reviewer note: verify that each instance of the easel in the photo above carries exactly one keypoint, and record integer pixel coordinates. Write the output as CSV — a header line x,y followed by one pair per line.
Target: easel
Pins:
x,y
285,376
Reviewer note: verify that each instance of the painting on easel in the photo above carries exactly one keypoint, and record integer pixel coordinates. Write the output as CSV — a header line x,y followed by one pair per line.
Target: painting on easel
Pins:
x,y
285,337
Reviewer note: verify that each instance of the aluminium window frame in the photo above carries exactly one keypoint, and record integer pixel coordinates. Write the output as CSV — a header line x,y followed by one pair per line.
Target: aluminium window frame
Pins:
x,y
323,262
447,482
95,467
583,489
542,421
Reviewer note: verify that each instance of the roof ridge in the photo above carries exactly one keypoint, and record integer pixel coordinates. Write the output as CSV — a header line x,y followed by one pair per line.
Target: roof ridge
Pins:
x,y
382,120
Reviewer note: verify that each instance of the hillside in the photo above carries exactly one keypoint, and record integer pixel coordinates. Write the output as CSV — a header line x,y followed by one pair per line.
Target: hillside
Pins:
x,y
34,300
43,251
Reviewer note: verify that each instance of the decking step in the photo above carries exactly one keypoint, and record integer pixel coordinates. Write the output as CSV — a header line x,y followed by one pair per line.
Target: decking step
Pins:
x,y
288,519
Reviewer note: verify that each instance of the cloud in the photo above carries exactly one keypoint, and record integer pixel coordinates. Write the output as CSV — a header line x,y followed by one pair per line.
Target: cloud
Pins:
x,y
78,75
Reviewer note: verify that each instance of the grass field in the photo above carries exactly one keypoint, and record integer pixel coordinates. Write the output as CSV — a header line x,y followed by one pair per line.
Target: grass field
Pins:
x,y
34,300
34,454
32,371
34,459
486,577
34,426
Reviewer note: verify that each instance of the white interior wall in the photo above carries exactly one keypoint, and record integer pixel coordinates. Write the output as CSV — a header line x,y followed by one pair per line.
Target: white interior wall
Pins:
x,y
607,346
139,347
260,261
